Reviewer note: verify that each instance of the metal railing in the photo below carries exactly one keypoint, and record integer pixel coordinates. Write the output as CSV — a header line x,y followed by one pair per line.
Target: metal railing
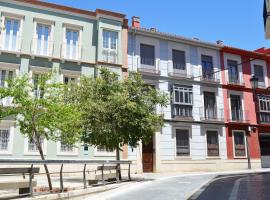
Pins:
x,y
102,164
148,69
177,73
71,51
109,56
210,76
211,114
238,115
42,47
235,81
11,43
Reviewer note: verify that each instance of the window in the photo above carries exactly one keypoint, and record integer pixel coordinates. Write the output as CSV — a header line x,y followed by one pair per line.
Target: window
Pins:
x,y
182,101
233,71
264,104
42,40
239,144
103,149
210,105
71,45
207,67
110,39
5,75
212,143
38,89
32,147
68,80
258,72
66,148
11,34
182,143
179,60
236,108
4,140
147,54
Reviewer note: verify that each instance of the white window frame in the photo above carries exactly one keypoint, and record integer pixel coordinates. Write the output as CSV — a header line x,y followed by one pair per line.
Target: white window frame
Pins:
x,y
104,153
45,22
174,136
237,58
11,130
242,103
70,74
263,64
219,138
245,135
109,50
66,153
18,17
34,153
79,29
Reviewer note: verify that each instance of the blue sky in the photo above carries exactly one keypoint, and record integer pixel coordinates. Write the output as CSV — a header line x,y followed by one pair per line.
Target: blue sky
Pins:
x,y
238,23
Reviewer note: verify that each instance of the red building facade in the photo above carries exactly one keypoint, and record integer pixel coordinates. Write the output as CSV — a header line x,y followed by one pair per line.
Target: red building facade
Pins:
x,y
247,110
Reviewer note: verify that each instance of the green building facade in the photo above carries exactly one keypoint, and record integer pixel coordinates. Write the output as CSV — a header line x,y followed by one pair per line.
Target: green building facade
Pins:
x,y
37,37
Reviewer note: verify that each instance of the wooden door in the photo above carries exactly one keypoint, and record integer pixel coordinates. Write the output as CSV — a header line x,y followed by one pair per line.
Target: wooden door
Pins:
x,y
147,157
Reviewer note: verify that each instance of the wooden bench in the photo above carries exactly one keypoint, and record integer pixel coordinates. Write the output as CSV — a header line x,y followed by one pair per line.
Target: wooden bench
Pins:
x,y
104,173
24,186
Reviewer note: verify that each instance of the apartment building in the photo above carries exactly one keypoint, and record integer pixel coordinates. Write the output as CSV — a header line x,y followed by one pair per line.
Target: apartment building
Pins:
x,y
188,70
38,37
247,116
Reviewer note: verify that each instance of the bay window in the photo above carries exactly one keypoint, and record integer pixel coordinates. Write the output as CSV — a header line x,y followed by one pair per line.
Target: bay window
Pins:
x,y
182,101
264,105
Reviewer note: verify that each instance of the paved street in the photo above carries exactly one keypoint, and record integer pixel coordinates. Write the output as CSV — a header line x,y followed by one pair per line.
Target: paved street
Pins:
x,y
247,187
172,188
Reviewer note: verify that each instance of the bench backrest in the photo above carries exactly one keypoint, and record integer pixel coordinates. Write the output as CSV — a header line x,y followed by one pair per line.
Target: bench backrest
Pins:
x,y
107,167
19,170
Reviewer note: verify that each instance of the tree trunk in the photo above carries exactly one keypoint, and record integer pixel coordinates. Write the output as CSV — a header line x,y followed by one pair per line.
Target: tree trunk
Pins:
x,y
39,146
118,159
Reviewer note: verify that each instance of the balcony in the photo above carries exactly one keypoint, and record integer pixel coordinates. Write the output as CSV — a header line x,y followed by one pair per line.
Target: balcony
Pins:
x,y
42,47
178,73
182,112
261,85
152,70
71,52
11,43
238,116
264,117
236,81
109,56
213,78
211,114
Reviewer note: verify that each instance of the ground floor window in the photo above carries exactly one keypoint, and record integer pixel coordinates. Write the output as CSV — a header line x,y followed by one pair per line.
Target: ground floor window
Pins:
x,y
66,147
182,143
239,144
32,147
212,143
4,140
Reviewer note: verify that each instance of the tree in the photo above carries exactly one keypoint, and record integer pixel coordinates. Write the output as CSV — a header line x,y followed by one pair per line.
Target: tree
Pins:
x,y
42,111
117,112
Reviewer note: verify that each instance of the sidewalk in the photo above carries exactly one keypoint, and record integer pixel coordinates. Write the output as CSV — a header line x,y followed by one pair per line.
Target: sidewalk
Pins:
x,y
162,186
142,186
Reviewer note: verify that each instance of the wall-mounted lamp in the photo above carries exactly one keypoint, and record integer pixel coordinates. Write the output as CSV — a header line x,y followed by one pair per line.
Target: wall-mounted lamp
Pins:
x,y
252,129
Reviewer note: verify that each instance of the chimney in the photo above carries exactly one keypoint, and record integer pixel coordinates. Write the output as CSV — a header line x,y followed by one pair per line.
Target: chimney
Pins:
x,y
136,22
220,42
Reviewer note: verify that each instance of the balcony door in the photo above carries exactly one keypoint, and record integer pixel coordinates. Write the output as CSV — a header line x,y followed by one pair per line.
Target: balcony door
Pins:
x,y
43,34
233,71
207,67
209,105
212,143
236,108
11,35
72,44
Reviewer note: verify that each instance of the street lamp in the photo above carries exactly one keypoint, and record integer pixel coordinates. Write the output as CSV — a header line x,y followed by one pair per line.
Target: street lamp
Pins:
x,y
254,82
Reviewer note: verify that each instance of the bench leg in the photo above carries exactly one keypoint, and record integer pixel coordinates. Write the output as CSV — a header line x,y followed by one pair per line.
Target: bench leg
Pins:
x,y
25,191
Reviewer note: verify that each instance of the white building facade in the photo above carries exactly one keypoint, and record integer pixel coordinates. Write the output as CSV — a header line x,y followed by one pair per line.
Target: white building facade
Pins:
x,y
193,137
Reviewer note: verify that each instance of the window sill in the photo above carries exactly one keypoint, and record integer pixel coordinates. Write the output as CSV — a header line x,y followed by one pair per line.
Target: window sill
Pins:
x,y
183,158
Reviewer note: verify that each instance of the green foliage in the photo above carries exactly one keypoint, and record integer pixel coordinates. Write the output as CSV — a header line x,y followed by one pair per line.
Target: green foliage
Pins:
x,y
117,112
41,110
